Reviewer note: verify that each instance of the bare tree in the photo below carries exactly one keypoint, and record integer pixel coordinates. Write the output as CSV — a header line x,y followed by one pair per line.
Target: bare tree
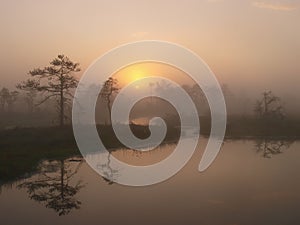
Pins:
x,y
269,106
55,81
110,87
271,147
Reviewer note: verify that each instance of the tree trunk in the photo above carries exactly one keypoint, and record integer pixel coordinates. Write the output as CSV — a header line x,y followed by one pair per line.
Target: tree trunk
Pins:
x,y
62,178
109,112
266,104
62,107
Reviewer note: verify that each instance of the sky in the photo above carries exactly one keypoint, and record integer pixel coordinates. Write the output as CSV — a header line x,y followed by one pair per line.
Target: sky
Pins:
x,y
248,44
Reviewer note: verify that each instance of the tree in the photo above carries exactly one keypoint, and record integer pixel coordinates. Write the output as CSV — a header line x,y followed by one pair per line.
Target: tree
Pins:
x,y
198,98
4,96
7,99
110,87
53,186
13,98
110,173
269,107
55,81
30,87
270,147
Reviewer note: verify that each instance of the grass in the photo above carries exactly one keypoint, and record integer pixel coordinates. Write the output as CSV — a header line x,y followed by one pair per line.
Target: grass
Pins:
x,y
21,150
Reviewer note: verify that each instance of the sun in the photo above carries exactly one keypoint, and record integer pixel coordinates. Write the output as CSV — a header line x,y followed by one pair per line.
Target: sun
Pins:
x,y
138,71
135,74
131,73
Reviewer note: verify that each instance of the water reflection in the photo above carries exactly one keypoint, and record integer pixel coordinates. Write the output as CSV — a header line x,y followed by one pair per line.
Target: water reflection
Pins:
x,y
108,171
53,187
56,187
269,147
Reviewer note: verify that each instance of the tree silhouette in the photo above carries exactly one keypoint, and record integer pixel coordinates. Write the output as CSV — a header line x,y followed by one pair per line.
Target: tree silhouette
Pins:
x,y
7,99
198,97
110,173
269,107
55,81
53,188
4,96
30,87
110,87
272,147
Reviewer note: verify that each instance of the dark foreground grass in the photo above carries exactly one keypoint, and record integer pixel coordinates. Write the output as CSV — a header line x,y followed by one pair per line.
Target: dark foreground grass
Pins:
x,y
21,150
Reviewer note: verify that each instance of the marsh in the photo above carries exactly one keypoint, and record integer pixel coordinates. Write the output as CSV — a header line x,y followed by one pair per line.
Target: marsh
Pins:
x,y
246,184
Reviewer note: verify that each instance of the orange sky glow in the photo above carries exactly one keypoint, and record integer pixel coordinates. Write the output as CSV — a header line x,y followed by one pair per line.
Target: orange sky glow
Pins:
x,y
247,44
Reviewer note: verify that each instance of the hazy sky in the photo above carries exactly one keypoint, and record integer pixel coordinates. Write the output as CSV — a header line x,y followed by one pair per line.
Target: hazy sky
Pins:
x,y
247,43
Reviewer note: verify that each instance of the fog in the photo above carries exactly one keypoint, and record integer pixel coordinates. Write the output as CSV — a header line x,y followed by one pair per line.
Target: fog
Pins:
x,y
20,112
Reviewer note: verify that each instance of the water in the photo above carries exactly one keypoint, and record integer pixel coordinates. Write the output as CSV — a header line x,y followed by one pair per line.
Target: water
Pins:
x,y
243,186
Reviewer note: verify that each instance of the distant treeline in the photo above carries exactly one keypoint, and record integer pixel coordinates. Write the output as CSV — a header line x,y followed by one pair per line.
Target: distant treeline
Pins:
x,y
45,99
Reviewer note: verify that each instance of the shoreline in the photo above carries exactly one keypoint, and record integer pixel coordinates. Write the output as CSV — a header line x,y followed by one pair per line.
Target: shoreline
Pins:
x,y
21,150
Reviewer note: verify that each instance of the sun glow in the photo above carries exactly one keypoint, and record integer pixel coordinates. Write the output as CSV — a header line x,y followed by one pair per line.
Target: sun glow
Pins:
x,y
132,73
135,73
139,71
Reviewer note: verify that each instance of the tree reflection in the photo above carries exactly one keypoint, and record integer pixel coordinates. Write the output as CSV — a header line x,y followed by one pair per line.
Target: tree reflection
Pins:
x,y
110,173
53,187
270,147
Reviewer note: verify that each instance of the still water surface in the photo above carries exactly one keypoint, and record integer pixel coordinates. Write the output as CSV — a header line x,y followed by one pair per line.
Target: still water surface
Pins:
x,y
249,183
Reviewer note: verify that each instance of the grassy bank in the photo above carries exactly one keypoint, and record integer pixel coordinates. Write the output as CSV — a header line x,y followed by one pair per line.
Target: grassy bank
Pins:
x,y
22,149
